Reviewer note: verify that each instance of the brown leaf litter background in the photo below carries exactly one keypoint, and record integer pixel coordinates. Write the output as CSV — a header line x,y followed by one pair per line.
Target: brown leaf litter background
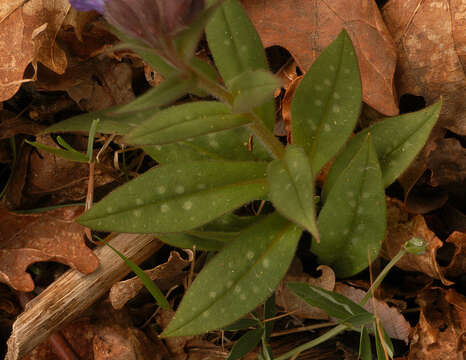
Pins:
x,y
54,57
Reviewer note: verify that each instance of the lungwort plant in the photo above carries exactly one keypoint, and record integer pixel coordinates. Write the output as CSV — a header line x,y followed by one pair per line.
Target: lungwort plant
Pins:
x,y
207,170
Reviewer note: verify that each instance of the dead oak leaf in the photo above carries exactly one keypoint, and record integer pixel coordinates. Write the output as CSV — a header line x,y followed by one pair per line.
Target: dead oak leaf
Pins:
x,y
305,28
431,41
401,227
28,34
441,326
49,236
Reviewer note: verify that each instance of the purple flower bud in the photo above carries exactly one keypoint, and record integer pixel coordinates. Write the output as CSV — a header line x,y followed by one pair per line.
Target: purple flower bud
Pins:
x,y
88,5
152,20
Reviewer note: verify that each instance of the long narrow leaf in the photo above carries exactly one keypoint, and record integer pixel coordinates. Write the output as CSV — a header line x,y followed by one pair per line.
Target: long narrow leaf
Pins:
x,y
292,188
327,102
178,197
397,141
185,121
238,279
352,221
146,280
237,48
332,303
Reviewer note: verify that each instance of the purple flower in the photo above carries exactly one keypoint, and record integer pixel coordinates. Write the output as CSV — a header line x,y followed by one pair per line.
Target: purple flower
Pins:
x,y
151,20
88,5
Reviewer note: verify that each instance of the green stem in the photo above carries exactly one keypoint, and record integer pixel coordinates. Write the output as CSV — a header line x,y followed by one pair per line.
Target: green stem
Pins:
x,y
257,125
328,335
268,139
213,87
382,275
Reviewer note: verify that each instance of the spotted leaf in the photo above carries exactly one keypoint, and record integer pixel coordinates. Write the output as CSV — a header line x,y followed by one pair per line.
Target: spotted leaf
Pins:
x,y
185,121
292,189
178,197
352,221
242,275
229,144
327,102
237,48
397,141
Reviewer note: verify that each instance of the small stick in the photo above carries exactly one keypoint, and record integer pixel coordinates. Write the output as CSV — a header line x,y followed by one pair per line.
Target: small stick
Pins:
x,y
72,293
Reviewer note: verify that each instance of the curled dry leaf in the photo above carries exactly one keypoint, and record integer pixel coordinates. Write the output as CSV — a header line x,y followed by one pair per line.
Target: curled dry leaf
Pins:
x,y
400,228
448,163
165,276
305,28
392,321
431,40
293,304
441,326
50,236
457,264
28,35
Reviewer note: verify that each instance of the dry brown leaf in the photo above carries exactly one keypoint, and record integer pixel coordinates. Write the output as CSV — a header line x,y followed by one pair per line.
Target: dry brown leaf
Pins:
x,y
457,264
431,41
115,342
401,227
165,276
448,163
49,236
441,325
11,125
28,35
392,321
93,85
306,27
293,304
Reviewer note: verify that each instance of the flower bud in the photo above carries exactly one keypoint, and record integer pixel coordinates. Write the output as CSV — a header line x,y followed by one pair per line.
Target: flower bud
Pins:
x,y
153,21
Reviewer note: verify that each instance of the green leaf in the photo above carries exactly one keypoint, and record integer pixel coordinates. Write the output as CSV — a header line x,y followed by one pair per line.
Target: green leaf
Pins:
x,y
397,141
231,223
65,154
352,221
292,188
327,102
237,48
365,351
241,324
188,241
225,145
245,344
178,197
334,304
242,275
122,118
252,88
185,121
382,344
146,280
